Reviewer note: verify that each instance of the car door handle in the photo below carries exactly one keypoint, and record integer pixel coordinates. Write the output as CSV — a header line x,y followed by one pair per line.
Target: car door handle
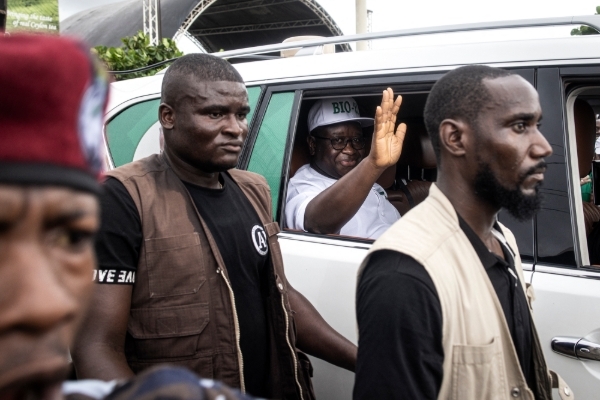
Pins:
x,y
575,347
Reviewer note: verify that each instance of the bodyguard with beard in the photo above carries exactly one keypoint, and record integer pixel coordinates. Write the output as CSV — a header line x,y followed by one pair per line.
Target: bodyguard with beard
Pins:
x,y
442,306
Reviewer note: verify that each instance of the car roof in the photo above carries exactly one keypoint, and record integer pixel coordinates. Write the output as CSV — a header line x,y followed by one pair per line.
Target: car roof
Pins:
x,y
569,50
524,52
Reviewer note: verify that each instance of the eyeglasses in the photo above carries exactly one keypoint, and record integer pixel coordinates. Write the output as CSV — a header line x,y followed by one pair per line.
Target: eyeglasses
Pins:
x,y
357,143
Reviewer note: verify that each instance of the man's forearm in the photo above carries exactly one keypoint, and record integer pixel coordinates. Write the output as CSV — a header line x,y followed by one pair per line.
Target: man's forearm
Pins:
x,y
98,352
317,338
328,212
102,362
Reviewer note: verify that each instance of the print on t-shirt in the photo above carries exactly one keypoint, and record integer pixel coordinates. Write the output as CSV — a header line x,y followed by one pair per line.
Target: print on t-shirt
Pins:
x,y
259,238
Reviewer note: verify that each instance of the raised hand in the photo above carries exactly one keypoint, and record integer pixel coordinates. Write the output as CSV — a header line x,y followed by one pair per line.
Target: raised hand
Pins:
x,y
386,146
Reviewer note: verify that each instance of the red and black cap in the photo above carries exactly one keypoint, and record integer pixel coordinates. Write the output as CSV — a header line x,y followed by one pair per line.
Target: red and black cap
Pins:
x,y
53,95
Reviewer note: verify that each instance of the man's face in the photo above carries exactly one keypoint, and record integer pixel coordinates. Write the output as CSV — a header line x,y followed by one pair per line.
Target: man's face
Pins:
x,y
509,148
329,161
209,124
46,242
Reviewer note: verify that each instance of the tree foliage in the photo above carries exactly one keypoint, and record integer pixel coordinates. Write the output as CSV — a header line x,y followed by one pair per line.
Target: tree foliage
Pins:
x,y
137,52
586,30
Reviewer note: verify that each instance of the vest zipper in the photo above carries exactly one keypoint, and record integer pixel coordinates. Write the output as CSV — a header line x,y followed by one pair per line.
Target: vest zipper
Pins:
x,y
237,332
287,339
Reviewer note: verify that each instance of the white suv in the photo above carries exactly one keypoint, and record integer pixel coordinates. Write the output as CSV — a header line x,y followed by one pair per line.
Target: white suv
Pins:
x,y
554,246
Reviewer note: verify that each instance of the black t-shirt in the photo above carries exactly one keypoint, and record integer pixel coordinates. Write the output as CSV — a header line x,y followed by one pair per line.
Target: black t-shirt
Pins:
x,y
400,352
241,239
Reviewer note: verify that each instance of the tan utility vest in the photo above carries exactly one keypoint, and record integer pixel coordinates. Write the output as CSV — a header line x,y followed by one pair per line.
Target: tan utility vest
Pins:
x,y
480,361
182,307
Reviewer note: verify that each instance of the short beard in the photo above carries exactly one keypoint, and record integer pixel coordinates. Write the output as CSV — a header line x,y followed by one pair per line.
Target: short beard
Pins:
x,y
519,205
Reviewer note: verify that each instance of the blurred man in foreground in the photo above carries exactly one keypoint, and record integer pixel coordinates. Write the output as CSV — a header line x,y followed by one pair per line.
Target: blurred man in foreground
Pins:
x,y
51,113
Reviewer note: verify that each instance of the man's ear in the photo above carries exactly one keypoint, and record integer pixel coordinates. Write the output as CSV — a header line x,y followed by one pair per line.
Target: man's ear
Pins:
x,y
166,116
452,137
312,145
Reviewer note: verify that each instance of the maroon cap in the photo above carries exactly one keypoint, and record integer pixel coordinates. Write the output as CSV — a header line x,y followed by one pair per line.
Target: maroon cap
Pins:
x,y
53,95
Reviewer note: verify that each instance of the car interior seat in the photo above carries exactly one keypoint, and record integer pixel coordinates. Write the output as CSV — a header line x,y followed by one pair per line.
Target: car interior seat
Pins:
x,y
300,155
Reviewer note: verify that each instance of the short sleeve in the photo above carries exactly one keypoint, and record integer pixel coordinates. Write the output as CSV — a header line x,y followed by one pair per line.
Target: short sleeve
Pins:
x,y
296,208
400,353
119,240
301,190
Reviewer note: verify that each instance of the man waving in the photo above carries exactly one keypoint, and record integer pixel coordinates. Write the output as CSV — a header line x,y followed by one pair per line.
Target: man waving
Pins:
x,y
336,193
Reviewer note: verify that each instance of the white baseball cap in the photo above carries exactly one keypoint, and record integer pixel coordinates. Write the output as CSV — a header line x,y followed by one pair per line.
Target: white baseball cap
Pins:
x,y
331,111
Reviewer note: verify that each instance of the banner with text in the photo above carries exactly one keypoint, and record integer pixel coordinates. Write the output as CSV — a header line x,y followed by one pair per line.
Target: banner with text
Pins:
x,y
32,15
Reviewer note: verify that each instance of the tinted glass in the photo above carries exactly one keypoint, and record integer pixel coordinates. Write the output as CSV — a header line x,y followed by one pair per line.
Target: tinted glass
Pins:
x,y
269,149
553,221
253,96
523,231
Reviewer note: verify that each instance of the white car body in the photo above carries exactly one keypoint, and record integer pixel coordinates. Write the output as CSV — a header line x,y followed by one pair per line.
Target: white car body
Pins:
x,y
324,268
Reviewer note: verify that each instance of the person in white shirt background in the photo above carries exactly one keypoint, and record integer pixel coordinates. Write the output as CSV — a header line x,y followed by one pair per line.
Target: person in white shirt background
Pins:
x,y
336,193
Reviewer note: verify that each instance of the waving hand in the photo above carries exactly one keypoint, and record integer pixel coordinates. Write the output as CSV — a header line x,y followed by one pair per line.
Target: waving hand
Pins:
x,y
386,146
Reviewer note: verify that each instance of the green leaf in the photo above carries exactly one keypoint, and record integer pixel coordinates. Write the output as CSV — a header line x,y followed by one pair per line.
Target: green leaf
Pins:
x,y
136,52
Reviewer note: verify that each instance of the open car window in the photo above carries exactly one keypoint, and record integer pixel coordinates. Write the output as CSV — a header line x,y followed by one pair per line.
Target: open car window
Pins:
x,y
277,147
407,183
583,107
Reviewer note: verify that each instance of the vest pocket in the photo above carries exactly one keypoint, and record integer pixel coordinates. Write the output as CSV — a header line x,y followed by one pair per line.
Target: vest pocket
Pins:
x,y
175,265
306,372
478,372
167,332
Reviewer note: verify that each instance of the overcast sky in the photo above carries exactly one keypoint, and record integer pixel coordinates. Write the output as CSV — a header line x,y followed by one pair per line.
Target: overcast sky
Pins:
x,y
395,14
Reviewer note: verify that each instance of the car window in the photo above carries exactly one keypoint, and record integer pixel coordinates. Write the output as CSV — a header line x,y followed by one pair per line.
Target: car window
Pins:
x,y
583,107
269,149
407,183
523,230
254,93
134,132
125,131
554,227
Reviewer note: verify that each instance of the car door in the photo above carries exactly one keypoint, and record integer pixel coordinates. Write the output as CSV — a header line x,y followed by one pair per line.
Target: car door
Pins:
x,y
567,305
322,269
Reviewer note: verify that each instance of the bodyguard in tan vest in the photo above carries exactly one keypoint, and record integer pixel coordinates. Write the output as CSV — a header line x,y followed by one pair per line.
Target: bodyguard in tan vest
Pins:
x,y
189,267
442,306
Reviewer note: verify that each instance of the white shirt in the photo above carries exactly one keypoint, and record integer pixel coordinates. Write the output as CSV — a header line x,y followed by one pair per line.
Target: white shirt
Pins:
x,y
372,219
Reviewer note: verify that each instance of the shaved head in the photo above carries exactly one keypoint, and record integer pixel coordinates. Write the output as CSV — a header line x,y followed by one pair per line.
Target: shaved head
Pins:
x,y
460,94
197,67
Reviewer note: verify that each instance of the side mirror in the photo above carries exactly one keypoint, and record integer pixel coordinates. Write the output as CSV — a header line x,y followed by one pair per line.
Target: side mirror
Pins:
x,y
596,181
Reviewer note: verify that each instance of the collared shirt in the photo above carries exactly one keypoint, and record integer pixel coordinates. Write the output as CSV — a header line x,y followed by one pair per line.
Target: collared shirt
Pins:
x,y
370,221
400,352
